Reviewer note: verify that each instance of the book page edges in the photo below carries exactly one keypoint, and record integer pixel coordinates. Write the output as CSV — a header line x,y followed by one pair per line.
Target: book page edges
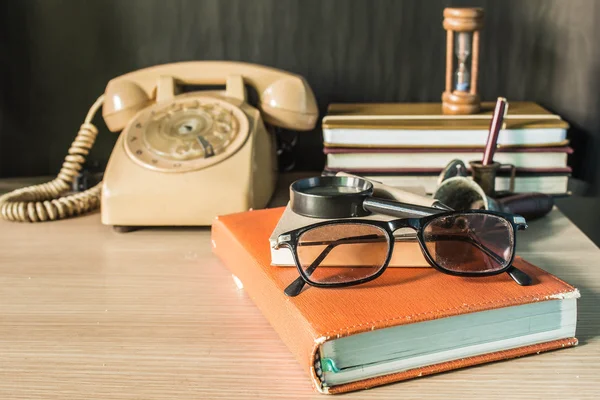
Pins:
x,y
435,125
451,365
442,150
565,142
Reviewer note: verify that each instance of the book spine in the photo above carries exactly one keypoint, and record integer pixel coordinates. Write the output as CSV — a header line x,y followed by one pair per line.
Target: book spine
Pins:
x,y
400,171
437,150
283,316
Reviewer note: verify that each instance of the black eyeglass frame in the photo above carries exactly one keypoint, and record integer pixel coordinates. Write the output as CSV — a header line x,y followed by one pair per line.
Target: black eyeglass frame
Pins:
x,y
290,240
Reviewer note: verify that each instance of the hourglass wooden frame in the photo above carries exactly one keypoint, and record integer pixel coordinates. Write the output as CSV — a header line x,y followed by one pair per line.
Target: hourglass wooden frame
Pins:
x,y
456,21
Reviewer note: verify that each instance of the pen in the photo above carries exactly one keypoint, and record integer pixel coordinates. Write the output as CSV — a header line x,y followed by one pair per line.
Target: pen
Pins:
x,y
495,125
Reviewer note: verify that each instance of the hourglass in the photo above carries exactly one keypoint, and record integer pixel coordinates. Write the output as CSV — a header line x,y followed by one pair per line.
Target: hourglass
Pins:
x,y
462,26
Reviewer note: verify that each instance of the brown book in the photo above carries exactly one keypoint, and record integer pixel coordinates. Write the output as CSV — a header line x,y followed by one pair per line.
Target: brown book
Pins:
x,y
374,158
408,323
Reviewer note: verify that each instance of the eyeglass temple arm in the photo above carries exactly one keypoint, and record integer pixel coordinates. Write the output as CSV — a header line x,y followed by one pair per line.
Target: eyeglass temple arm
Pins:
x,y
519,276
296,287
516,274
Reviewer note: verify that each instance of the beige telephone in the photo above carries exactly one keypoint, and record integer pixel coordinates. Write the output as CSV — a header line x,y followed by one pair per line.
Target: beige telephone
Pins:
x,y
182,159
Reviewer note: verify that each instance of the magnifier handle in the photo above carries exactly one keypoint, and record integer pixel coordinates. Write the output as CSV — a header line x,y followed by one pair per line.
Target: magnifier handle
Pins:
x,y
397,209
382,190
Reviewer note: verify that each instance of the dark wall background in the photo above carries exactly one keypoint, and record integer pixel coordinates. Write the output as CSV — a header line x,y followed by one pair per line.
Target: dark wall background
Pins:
x,y
56,57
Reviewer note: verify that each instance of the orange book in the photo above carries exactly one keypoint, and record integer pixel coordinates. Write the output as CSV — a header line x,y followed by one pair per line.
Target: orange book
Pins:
x,y
408,323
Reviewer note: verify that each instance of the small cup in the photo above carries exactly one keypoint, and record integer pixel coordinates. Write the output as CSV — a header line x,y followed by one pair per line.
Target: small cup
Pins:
x,y
485,176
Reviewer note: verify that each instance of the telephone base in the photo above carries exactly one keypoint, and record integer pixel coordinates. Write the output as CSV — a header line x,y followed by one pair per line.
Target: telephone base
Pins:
x,y
134,195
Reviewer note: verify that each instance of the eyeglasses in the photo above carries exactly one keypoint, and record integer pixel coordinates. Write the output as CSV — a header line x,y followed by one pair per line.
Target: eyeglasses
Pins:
x,y
349,252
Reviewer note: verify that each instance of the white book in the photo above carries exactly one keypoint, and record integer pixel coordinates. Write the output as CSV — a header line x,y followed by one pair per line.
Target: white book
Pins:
x,y
359,159
424,125
419,137
549,184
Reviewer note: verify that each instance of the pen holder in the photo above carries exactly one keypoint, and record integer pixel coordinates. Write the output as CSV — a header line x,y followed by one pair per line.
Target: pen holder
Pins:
x,y
485,176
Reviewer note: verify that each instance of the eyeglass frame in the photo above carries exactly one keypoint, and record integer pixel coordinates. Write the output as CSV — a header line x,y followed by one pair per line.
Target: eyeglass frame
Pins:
x,y
290,240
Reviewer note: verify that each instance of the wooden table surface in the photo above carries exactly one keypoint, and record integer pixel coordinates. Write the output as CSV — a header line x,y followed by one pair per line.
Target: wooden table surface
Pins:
x,y
86,312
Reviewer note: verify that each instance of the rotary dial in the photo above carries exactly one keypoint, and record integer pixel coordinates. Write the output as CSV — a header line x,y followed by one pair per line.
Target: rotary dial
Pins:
x,y
187,134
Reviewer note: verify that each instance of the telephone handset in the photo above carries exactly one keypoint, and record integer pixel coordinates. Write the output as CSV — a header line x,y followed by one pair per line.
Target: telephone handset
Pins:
x,y
181,159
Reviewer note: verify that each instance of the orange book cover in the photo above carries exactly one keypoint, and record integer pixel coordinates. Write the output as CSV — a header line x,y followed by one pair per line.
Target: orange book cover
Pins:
x,y
399,296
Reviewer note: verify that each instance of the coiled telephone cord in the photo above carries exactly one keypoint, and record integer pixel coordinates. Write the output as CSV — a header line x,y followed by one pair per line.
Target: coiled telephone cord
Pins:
x,y
45,202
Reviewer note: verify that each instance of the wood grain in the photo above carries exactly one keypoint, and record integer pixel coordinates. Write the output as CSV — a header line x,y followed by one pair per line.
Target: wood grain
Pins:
x,y
89,313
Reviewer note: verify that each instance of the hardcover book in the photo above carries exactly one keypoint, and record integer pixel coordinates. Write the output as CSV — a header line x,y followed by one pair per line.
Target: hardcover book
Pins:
x,y
552,184
408,323
371,158
424,125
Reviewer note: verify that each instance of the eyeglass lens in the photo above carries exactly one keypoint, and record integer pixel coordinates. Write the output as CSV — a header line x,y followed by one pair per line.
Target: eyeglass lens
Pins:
x,y
471,243
342,252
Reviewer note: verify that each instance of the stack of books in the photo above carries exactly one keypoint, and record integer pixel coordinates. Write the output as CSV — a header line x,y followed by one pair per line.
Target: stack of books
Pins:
x,y
408,144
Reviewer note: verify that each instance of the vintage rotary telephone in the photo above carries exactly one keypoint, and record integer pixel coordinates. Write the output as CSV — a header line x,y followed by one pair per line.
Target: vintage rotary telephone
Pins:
x,y
182,159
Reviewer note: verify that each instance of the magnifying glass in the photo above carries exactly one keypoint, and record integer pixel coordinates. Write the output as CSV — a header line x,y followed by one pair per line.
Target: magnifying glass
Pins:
x,y
346,195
